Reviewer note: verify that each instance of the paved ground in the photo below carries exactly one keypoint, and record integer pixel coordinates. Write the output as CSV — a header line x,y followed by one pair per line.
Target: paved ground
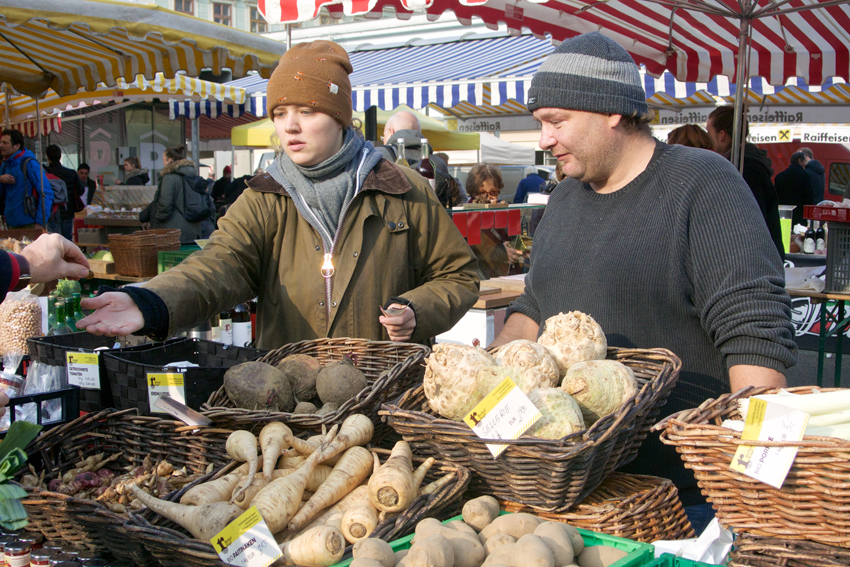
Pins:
x,y
806,371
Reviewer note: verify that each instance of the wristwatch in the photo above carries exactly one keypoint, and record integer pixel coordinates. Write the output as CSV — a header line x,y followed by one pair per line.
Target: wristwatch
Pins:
x,y
25,275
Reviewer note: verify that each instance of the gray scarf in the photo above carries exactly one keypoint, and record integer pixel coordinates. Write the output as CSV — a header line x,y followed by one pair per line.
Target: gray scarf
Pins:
x,y
328,186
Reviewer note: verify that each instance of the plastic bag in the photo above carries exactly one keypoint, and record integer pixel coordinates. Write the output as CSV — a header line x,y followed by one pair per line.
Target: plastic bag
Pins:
x,y
43,378
20,319
11,383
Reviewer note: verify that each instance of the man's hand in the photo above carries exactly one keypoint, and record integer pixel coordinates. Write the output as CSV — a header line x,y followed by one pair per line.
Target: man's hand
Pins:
x,y
7,178
401,327
116,315
53,257
514,255
518,326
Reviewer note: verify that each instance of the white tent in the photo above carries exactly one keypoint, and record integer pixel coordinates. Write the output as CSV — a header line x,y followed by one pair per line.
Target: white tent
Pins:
x,y
494,151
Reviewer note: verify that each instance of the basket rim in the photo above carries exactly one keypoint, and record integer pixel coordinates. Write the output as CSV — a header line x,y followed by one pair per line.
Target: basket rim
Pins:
x,y
218,413
575,443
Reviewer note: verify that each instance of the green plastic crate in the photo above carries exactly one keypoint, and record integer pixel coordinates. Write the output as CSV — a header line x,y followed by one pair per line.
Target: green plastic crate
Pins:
x,y
167,260
669,560
639,553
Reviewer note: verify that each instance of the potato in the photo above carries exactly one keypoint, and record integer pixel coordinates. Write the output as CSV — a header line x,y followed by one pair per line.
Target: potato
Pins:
x,y
457,525
575,538
327,408
468,551
366,562
433,550
600,556
480,511
556,539
401,554
496,540
305,407
530,550
374,548
515,525
339,381
256,385
502,555
302,371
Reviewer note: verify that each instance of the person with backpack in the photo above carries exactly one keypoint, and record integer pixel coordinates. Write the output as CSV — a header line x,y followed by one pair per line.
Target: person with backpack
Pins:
x,y
74,189
168,208
20,191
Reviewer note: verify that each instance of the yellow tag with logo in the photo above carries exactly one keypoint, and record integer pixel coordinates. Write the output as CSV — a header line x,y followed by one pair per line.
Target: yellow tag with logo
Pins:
x,y
83,369
161,383
247,541
769,421
504,413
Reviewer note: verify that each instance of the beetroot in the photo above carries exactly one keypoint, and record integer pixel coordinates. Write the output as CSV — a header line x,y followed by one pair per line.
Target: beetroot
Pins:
x,y
54,484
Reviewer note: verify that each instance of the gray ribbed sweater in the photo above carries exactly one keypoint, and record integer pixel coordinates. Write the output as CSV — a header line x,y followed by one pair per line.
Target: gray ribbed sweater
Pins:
x,y
680,258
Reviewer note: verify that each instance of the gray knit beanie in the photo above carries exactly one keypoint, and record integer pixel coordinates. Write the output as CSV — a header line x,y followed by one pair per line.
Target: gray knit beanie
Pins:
x,y
592,73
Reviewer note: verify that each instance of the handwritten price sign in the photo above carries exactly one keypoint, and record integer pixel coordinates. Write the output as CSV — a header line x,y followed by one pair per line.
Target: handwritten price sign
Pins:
x,y
505,413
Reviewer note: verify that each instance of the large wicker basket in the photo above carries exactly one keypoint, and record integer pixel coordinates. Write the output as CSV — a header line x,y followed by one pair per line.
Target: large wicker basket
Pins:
x,y
813,504
756,551
390,368
637,507
172,547
548,475
89,523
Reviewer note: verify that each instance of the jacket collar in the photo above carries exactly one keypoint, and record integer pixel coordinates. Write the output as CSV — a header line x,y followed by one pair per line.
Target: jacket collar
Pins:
x,y
175,165
384,177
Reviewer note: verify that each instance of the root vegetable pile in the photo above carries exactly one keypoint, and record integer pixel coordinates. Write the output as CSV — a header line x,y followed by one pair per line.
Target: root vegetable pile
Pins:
x,y
316,506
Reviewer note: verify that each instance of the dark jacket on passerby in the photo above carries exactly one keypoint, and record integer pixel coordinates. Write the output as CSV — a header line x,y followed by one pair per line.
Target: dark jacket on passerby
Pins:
x,y
794,187
92,185
757,173
817,172
137,177
234,189
166,210
530,184
219,189
75,189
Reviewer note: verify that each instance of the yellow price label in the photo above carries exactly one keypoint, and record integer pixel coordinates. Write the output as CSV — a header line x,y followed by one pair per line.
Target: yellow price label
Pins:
x,y
81,357
247,541
164,380
752,429
490,401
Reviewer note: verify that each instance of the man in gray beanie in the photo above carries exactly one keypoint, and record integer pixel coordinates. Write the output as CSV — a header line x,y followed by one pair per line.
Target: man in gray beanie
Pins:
x,y
663,245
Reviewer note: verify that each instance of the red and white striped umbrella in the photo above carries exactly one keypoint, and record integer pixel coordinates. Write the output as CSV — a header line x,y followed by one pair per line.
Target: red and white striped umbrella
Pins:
x,y
695,40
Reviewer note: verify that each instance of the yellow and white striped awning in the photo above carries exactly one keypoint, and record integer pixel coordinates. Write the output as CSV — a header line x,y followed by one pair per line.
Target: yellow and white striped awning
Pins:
x,y
70,45
181,87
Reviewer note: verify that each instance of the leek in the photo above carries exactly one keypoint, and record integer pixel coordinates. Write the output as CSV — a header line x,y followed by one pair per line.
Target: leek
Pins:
x,y
813,404
12,456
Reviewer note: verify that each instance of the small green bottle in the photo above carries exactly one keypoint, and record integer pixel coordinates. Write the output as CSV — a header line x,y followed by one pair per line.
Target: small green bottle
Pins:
x,y
51,310
69,315
78,310
60,328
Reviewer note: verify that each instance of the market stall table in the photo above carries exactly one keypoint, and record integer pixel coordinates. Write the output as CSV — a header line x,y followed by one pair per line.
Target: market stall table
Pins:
x,y
841,325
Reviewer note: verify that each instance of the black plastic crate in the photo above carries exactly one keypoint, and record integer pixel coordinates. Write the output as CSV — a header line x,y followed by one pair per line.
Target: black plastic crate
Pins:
x,y
127,370
52,351
838,258
70,398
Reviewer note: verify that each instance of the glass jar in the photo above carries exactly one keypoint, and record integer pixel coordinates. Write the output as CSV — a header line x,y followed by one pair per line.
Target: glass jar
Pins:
x,y
53,544
68,564
34,539
16,554
96,562
62,558
40,557
86,557
4,541
73,550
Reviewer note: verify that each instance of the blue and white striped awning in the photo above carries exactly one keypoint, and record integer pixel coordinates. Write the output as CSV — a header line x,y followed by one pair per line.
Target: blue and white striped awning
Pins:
x,y
483,73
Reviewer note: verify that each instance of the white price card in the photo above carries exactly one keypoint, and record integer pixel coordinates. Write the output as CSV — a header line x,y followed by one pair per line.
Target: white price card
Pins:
x,y
505,413
83,369
769,421
247,541
162,383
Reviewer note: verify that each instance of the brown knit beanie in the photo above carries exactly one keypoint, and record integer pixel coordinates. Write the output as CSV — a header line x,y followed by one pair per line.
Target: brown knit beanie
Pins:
x,y
313,74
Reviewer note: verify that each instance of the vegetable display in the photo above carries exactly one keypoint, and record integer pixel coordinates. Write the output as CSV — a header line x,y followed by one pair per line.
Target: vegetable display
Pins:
x,y
573,337
599,387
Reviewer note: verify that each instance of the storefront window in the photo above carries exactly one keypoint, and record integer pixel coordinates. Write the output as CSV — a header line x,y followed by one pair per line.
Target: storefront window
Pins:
x,y
258,24
222,13
185,6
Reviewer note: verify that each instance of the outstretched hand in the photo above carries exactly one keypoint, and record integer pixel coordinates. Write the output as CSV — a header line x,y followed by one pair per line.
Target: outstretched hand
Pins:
x,y
116,314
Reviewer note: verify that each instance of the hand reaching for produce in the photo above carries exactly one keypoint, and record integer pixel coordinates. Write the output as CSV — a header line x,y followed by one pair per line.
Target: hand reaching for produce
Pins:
x,y
116,315
399,327
53,257
514,255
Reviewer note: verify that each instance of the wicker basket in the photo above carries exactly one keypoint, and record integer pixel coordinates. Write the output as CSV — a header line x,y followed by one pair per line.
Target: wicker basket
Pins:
x,y
548,475
637,507
390,369
755,551
127,370
134,255
84,522
813,504
166,239
172,547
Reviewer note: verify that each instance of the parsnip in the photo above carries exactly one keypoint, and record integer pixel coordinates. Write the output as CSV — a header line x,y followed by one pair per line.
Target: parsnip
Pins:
x,y
218,490
279,501
393,487
314,481
353,468
243,498
356,498
437,484
242,446
272,445
203,522
358,523
318,547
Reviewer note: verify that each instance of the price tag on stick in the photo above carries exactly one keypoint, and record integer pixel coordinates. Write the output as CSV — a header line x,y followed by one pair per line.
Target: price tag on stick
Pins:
x,y
83,369
161,383
505,413
247,541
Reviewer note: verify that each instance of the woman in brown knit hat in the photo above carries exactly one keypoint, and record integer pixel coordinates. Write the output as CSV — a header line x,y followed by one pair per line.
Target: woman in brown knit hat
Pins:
x,y
334,240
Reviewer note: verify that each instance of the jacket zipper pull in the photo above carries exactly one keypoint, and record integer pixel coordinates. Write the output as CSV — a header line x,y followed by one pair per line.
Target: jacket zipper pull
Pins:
x,y
328,267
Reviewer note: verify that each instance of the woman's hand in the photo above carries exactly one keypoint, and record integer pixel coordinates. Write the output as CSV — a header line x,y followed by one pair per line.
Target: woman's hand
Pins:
x,y
116,315
400,327
514,255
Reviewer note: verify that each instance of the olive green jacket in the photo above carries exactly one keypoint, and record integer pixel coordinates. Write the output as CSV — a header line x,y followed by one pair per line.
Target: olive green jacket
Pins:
x,y
395,240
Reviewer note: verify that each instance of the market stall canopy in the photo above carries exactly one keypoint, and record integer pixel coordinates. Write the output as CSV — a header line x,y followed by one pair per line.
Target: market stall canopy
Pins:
x,y
22,108
79,44
258,134
696,40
